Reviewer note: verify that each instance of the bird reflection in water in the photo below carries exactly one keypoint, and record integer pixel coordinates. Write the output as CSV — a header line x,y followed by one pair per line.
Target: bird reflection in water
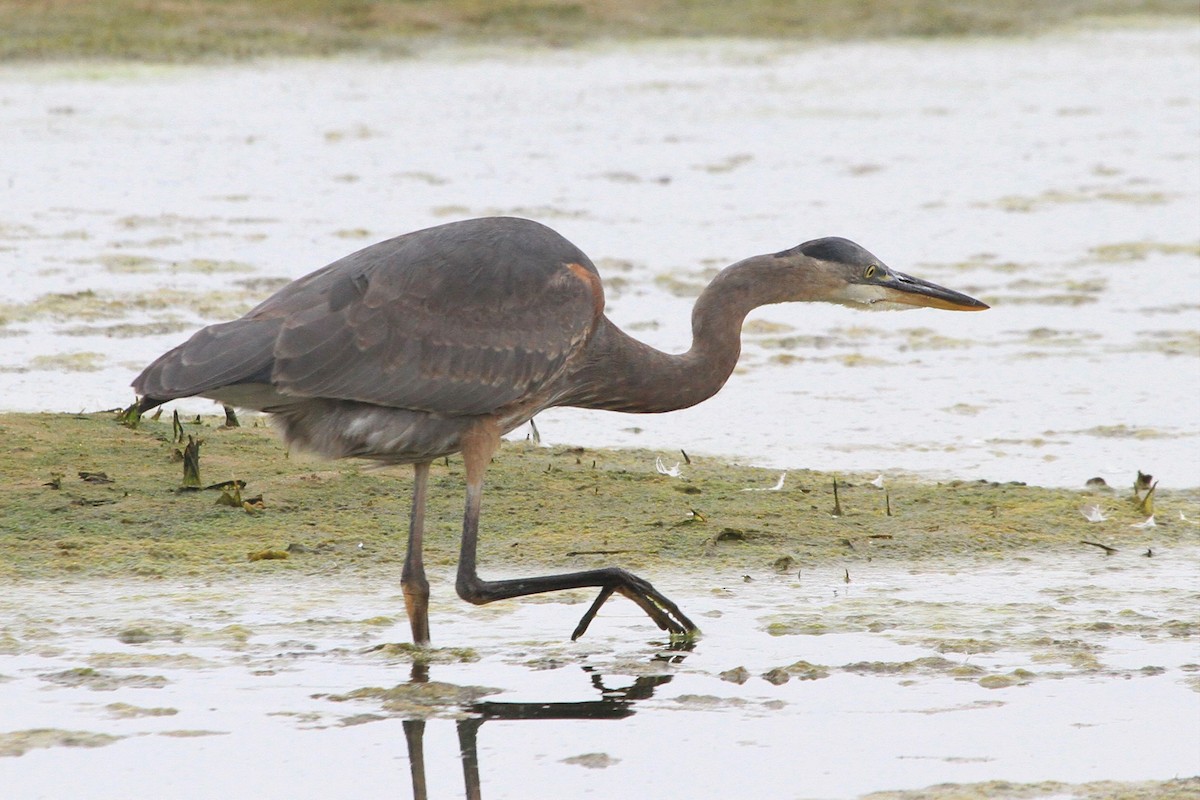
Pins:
x,y
614,703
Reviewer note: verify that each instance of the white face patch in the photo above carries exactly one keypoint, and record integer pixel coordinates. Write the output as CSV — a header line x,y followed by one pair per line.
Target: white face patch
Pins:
x,y
866,297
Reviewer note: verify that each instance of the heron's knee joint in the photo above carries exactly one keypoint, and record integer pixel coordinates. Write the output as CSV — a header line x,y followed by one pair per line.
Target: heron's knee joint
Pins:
x,y
471,589
415,585
416,592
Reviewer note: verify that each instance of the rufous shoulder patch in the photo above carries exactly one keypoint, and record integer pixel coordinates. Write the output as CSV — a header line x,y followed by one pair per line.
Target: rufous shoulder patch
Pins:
x,y
592,280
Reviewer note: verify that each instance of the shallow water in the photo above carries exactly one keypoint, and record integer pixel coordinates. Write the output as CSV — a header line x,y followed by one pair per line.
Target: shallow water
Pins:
x,y
1056,177
1029,670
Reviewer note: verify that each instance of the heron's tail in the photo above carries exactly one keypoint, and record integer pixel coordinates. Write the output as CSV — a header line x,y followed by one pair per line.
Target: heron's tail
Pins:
x,y
216,357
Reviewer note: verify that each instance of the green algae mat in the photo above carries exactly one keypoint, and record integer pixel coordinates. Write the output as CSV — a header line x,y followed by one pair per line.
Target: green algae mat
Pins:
x,y
87,495
153,30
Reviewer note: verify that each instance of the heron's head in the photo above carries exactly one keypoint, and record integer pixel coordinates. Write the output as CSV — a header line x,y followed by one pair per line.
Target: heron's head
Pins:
x,y
840,271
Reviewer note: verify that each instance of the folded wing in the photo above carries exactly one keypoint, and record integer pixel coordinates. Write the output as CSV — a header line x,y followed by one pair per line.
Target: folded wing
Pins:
x,y
460,319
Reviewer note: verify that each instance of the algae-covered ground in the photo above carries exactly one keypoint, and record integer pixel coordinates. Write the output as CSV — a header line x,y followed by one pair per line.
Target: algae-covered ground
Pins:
x,y
86,495
221,29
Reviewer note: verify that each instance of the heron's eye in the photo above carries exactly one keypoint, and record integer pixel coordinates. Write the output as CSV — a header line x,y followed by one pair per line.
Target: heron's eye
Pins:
x,y
870,272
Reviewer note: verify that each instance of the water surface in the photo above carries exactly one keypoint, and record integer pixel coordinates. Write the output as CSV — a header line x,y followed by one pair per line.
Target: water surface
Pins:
x,y
961,671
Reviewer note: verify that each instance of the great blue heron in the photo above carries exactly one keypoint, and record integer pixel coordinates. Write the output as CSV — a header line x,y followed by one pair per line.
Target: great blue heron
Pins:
x,y
442,340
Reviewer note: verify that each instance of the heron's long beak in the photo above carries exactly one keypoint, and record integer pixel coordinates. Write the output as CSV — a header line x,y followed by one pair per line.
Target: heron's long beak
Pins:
x,y
911,291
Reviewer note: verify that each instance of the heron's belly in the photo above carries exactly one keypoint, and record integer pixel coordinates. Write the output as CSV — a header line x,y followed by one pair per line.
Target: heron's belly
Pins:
x,y
347,429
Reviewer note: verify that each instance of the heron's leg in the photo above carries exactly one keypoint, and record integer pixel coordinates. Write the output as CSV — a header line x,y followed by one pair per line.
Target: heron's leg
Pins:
x,y
412,579
478,446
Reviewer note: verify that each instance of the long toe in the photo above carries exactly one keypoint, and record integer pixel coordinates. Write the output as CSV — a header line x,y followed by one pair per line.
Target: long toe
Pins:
x,y
659,608
582,627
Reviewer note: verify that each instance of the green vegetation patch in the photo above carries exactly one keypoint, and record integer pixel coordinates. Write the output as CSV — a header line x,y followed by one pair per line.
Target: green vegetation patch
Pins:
x,y
1176,789
127,711
17,743
165,31
85,495
93,306
421,699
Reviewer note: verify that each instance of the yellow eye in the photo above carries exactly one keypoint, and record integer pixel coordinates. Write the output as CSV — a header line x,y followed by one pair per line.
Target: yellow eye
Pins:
x,y
870,273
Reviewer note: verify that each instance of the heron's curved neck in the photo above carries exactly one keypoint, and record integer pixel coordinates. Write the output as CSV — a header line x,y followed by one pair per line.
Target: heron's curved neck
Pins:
x,y
623,374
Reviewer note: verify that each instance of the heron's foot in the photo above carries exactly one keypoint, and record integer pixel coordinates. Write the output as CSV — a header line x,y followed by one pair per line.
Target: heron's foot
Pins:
x,y
657,606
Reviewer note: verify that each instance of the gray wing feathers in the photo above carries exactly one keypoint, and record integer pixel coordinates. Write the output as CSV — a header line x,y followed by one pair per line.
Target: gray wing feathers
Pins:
x,y
390,349
219,355
461,319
